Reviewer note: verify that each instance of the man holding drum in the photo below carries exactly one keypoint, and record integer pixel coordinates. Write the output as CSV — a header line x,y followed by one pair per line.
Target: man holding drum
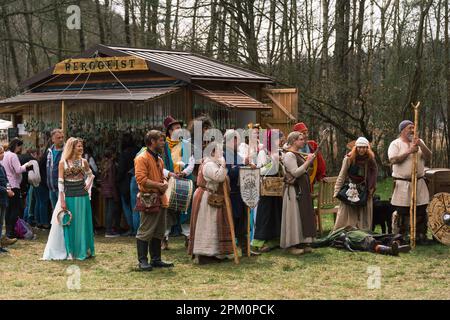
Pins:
x,y
178,163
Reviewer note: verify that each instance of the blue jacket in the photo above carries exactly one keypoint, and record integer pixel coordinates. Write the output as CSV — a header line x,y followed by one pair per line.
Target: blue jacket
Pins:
x,y
52,169
3,190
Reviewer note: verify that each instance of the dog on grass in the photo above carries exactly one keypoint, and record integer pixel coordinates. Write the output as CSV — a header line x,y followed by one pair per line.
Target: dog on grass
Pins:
x,y
383,215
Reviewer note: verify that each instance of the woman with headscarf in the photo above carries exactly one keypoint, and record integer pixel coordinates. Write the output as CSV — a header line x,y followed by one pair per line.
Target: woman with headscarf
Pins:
x,y
210,238
358,167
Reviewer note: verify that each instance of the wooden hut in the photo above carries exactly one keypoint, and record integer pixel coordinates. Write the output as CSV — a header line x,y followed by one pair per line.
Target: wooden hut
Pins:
x,y
108,90
116,89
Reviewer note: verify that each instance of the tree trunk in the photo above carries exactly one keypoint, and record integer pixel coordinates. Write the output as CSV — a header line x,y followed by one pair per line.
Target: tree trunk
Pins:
x,y
167,29
447,54
100,19
175,28
127,22
29,24
59,30
154,23
194,28
222,31
11,48
324,57
81,32
212,29
416,81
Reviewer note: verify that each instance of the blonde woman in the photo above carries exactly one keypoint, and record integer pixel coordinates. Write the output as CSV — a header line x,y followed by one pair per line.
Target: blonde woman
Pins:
x,y
298,227
72,238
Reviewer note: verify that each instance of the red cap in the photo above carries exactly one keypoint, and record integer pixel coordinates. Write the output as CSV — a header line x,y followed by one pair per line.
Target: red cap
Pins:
x,y
300,127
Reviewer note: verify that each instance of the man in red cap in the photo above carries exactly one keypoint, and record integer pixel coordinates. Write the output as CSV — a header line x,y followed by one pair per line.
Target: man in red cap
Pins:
x,y
311,147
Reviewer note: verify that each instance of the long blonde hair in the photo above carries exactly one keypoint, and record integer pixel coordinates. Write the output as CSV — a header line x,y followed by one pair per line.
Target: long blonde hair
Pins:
x,y
69,148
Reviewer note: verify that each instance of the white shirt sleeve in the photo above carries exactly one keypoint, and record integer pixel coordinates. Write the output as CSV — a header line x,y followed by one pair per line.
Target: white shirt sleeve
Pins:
x,y
393,150
188,170
166,173
213,172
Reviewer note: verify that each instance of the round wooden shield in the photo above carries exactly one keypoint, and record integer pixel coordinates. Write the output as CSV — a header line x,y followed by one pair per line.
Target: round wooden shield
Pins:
x,y
439,217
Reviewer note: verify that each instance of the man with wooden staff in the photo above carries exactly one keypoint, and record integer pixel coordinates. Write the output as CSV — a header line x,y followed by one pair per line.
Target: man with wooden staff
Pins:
x,y
401,153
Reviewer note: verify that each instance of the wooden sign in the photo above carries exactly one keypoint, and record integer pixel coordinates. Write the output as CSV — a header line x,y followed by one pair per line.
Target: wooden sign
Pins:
x,y
249,185
101,64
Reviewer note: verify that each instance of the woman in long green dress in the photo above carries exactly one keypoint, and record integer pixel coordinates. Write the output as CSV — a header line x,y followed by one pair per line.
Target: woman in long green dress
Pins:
x,y
72,238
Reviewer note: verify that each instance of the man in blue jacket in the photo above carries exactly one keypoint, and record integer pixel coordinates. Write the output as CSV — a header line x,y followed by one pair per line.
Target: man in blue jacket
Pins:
x,y
53,157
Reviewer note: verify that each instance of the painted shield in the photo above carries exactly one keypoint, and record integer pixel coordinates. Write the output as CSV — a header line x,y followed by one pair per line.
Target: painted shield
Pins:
x,y
249,185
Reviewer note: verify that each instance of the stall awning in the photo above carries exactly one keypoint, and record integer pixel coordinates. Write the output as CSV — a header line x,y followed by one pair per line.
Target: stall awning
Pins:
x,y
232,99
90,95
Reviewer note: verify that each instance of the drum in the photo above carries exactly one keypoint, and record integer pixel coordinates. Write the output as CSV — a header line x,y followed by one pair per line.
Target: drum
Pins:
x,y
179,193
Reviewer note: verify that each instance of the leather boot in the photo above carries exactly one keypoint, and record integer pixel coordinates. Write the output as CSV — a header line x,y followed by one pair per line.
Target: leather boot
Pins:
x,y
155,253
142,251
392,250
403,248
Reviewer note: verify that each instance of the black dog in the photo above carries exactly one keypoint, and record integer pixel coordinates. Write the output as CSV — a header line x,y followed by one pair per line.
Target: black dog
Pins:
x,y
382,214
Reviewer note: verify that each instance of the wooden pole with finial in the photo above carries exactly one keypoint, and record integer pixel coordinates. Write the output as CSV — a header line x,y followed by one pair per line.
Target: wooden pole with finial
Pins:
x,y
413,202
229,215
63,119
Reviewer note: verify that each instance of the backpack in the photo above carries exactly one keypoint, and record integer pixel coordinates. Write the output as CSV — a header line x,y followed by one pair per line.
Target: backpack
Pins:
x,y
23,230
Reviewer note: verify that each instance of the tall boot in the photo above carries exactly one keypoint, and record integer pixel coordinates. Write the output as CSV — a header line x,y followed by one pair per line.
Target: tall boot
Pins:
x,y
392,250
155,253
142,251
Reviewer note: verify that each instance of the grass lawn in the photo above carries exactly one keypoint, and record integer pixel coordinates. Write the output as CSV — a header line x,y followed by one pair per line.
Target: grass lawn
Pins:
x,y
327,273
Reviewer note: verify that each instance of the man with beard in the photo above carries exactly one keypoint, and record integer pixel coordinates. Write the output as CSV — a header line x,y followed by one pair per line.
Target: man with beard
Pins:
x,y
401,153
149,166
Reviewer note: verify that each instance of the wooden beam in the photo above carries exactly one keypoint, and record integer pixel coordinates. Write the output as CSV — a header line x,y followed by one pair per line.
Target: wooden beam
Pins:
x,y
11,109
285,90
279,105
189,101
63,119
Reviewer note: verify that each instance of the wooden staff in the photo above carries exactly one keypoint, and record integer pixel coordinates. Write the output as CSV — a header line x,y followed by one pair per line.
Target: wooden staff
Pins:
x,y
226,194
248,231
413,203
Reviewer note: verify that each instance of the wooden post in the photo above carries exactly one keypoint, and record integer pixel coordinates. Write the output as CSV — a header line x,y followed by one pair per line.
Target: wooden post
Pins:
x,y
189,101
248,232
63,119
413,202
229,214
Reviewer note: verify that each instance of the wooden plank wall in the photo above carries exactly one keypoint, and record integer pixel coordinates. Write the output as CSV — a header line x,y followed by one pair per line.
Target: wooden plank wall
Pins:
x,y
284,109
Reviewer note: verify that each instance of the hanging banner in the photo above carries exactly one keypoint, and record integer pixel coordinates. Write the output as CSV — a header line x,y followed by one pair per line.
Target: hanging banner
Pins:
x,y
101,64
249,185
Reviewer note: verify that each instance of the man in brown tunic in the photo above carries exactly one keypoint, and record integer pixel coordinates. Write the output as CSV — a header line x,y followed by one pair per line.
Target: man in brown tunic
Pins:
x,y
149,167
